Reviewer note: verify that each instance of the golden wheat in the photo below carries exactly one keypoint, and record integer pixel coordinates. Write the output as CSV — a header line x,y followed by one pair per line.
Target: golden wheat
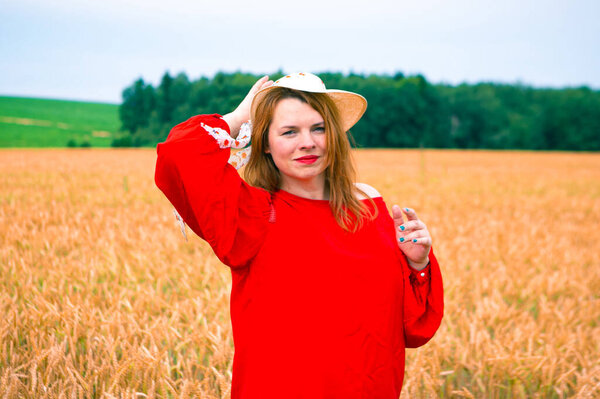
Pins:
x,y
102,297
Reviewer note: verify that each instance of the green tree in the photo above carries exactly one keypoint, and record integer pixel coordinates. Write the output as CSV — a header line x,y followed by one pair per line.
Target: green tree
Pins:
x,y
139,100
165,104
403,111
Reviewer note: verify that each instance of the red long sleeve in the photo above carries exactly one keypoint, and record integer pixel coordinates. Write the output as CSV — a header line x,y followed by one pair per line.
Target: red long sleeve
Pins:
x,y
423,303
193,173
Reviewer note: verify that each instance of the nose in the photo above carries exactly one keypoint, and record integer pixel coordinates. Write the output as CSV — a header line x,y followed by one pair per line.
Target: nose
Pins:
x,y
306,140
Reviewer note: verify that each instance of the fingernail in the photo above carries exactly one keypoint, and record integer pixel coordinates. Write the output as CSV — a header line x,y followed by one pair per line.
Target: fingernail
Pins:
x,y
407,210
415,240
402,228
401,239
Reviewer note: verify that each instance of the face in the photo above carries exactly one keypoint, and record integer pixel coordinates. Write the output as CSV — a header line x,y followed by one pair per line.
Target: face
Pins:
x,y
297,143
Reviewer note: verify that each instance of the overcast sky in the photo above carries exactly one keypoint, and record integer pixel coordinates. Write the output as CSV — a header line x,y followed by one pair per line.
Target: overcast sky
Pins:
x,y
92,50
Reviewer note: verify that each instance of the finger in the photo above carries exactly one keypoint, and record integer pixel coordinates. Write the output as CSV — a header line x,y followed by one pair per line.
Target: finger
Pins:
x,y
408,237
410,213
416,237
416,241
262,80
422,241
259,84
266,84
397,215
412,225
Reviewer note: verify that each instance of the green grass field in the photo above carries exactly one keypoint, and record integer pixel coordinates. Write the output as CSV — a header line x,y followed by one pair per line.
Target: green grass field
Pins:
x,y
35,122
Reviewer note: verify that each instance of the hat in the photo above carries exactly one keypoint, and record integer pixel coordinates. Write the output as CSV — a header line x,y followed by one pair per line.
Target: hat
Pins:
x,y
351,106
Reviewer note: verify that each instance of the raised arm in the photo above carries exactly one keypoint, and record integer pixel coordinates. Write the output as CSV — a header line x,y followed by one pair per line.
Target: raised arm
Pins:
x,y
193,173
241,114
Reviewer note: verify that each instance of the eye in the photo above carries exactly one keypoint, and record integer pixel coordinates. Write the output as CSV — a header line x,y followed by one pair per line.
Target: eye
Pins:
x,y
288,132
319,129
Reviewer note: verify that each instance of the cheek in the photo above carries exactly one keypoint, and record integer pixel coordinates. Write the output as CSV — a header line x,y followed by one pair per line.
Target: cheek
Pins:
x,y
278,150
323,145
323,141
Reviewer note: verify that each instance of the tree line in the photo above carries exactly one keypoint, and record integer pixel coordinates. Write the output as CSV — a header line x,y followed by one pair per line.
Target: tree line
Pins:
x,y
403,111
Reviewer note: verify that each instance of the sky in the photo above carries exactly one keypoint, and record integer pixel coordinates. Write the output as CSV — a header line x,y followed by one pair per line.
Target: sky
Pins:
x,y
91,50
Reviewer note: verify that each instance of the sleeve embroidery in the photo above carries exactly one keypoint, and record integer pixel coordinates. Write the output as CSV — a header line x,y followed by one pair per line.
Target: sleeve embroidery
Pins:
x,y
240,158
181,223
225,140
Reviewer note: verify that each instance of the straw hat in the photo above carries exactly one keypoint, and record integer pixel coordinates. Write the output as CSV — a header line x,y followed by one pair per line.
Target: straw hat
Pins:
x,y
350,105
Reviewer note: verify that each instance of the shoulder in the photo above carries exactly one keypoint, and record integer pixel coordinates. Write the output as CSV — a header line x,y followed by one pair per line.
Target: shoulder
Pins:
x,y
366,189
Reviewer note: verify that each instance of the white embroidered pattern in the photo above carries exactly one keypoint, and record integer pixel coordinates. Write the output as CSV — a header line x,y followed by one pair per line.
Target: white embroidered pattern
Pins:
x,y
225,140
181,223
240,158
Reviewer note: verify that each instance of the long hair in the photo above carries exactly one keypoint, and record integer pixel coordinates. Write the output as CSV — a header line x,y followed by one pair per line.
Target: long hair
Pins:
x,y
340,174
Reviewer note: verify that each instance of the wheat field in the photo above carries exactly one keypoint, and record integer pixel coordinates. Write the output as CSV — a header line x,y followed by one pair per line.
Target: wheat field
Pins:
x,y
101,296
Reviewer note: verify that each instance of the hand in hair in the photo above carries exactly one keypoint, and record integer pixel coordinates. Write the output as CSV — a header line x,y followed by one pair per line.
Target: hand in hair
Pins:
x,y
413,237
242,113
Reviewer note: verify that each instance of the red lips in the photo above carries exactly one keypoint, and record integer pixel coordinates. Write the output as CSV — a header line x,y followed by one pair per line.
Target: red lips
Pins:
x,y
308,159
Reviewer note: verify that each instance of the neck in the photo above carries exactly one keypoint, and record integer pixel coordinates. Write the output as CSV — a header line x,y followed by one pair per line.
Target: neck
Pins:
x,y
316,190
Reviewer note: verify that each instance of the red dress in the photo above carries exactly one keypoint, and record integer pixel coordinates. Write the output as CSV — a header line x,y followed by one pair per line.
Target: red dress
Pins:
x,y
317,312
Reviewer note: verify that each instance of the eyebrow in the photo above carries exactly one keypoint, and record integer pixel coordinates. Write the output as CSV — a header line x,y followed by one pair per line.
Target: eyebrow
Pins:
x,y
292,126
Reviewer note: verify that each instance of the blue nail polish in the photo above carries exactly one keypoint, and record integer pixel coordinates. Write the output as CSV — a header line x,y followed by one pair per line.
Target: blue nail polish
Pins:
x,y
415,240
407,210
401,239
402,228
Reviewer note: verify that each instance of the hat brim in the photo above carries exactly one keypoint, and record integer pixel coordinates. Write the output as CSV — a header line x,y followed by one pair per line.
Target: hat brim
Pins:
x,y
351,106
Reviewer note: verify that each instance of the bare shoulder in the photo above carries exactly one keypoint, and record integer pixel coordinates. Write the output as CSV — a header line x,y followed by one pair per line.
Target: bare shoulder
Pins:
x,y
366,189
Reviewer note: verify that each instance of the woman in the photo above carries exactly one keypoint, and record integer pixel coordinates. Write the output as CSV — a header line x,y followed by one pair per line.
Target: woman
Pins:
x,y
327,289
